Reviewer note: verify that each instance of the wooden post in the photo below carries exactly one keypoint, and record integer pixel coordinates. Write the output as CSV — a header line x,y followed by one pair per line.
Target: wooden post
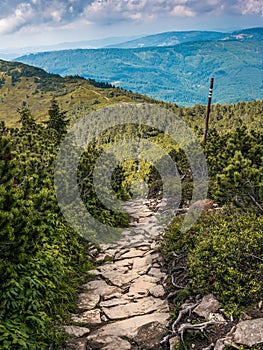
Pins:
x,y
208,109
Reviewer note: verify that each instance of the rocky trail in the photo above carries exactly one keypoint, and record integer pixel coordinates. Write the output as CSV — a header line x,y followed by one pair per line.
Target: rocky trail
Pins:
x,y
124,306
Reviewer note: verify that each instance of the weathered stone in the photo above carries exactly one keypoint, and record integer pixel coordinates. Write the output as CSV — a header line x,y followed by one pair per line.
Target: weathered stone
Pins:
x,y
141,307
76,331
112,296
123,263
208,305
120,277
130,326
141,286
112,268
249,332
142,265
114,302
156,272
157,291
88,317
131,253
87,301
109,343
223,342
103,257
101,288
76,344
150,335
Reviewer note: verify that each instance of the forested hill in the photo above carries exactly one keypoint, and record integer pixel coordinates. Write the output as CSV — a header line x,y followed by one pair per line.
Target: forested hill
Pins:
x,y
179,37
23,85
178,74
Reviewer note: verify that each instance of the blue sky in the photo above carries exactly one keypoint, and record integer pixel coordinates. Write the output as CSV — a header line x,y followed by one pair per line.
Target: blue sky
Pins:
x,y
45,22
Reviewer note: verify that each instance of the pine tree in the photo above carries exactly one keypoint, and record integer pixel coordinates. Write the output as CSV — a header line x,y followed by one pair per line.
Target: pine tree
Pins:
x,y
57,120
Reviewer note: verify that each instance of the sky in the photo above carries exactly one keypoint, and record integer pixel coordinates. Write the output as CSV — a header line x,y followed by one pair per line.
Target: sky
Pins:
x,y
47,22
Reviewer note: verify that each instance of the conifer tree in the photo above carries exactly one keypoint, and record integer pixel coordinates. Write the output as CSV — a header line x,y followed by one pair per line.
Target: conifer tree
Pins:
x,y
57,120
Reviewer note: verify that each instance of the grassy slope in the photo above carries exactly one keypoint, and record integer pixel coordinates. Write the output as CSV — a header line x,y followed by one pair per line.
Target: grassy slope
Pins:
x,y
78,96
36,88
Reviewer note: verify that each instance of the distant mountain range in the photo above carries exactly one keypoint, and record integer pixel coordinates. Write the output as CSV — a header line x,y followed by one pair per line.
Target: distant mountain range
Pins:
x,y
174,38
179,73
11,53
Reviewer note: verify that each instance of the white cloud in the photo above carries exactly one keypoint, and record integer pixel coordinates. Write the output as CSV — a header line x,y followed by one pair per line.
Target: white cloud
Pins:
x,y
182,11
251,7
33,14
21,15
112,10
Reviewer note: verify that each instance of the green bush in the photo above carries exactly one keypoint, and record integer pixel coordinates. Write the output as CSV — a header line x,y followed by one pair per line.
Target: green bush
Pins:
x,y
224,256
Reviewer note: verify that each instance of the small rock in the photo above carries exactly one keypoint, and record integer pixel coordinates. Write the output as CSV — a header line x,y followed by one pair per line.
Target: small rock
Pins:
x,y
150,335
114,302
88,301
101,288
131,253
249,332
76,331
208,305
157,291
156,272
88,317
141,286
109,343
76,344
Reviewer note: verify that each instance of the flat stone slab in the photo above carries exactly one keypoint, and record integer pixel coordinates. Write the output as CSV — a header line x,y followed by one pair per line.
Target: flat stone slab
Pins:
x,y
109,343
131,253
76,331
130,326
88,317
87,301
79,344
114,302
141,286
101,288
141,307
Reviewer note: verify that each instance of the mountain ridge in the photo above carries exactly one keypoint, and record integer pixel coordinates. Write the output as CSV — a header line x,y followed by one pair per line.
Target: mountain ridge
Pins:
x,y
178,74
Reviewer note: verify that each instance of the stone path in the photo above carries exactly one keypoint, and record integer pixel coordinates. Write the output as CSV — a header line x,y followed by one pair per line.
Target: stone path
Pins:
x,y
124,305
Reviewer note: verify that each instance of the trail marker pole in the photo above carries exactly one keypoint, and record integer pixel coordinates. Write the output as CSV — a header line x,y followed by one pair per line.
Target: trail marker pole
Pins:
x,y
208,109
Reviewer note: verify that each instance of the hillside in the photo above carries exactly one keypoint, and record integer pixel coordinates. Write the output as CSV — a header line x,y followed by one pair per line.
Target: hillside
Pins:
x,y
177,74
25,85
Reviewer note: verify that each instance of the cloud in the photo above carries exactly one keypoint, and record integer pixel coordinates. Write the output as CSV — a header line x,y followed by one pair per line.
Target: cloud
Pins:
x,y
15,14
28,14
252,7
21,15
